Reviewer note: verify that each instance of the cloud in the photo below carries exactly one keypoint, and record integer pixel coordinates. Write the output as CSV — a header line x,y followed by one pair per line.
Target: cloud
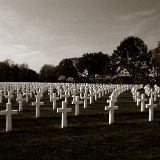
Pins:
x,y
24,54
139,22
136,15
22,47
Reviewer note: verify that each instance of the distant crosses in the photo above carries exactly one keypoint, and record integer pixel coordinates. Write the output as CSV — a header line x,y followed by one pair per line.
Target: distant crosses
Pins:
x,y
64,110
74,94
78,92
20,101
8,112
66,96
50,94
77,103
27,93
138,96
155,93
143,100
38,104
60,92
17,90
151,106
9,96
95,94
1,94
81,92
54,99
91,96
111,109
85,97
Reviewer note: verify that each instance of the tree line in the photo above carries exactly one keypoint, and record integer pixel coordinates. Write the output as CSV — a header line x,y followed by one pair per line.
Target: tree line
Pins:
x,y
131,62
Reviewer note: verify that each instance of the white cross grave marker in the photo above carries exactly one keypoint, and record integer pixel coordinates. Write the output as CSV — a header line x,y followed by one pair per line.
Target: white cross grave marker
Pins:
x,y
95,94
1,94
91,96
8,112
85,99
74,94
151,106
20,101
138,98
37,104
77,103
60,93
54,99
50,94
66,96
64,110
143,100
111,109
27,93
9,96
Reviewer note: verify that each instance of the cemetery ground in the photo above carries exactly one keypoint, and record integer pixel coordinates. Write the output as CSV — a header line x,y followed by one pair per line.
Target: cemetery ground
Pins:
x,y
88,135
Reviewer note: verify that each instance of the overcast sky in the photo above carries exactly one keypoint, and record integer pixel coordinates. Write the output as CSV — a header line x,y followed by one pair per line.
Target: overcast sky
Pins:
x,y
39,32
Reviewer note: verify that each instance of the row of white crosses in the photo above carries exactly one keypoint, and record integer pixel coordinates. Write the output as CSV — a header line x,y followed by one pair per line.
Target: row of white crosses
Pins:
x,y
9,112
67,89
64,110
152,93
113,100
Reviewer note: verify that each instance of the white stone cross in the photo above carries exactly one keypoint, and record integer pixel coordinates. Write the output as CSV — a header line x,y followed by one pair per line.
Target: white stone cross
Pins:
x,y
37,104
27,94
151,93
111,109
77,103
91,96
54,99
8,112
60,93
50,94
95,94
155,95
64,110
1,94
143,100
85,97
135,95
66,96
74,94
138,96
99,93
102,90
20,101
9,96
81,91
151,106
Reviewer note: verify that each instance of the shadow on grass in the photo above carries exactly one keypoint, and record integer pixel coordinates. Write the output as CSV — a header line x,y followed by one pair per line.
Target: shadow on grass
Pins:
x,y
88,136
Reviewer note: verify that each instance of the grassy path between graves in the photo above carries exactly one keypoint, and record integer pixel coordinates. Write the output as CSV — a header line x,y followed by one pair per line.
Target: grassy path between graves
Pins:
x,y
88,136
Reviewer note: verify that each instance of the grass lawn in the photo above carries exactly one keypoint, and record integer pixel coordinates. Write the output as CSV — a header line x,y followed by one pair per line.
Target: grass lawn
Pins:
x,y
88,136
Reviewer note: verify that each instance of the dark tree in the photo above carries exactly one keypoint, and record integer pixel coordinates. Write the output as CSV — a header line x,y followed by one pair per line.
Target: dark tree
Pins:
x,y
66,68
132,55
14,73
4,71
155,63
48,73
92,64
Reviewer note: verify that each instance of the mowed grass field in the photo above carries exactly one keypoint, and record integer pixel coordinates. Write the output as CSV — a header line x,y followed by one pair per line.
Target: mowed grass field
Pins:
x,y
88,135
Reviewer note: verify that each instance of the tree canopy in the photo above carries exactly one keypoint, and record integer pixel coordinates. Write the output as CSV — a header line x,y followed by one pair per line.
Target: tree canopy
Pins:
x,y
130,60
132,55
91,64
